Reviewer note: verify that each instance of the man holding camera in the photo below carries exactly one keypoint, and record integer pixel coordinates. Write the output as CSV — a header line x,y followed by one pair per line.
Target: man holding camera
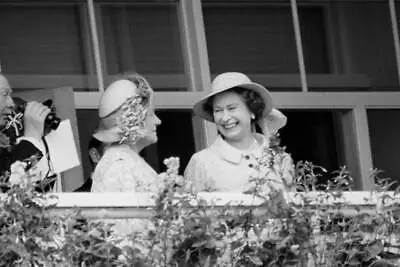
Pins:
x,y
30,144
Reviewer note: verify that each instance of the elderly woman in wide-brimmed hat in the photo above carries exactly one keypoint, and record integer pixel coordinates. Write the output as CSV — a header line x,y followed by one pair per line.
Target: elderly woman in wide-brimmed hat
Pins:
x,y
127,125
236,105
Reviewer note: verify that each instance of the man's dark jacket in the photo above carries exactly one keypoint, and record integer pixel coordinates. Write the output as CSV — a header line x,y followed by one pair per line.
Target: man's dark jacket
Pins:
x,y
22,151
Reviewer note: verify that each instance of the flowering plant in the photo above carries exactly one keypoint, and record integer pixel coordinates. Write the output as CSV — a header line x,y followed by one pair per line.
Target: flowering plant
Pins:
x,y
189,231
32,235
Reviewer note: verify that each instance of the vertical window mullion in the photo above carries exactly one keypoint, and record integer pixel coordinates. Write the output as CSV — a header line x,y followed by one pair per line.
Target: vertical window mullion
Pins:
x,y
363,146
196,61
194,39
88,48
299,45
96,46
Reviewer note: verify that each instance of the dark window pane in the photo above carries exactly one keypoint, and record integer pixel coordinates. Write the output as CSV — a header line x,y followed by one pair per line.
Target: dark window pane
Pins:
x,y
311,136
143,38
359,43
313,37
41,40
87,122
176,139
250,38
384,131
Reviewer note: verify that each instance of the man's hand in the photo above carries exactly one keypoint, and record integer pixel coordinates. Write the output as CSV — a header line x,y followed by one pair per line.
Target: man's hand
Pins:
x,y
34,117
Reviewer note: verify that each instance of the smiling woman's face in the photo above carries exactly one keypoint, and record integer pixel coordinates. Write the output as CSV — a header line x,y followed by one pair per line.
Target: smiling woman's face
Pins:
x,y
6,102
232,116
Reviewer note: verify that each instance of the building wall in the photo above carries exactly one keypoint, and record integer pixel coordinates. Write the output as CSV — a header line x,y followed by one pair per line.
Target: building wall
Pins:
x,y
348,61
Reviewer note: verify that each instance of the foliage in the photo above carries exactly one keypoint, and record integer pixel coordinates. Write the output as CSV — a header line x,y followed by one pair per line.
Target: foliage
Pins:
x,y
32,235
186,231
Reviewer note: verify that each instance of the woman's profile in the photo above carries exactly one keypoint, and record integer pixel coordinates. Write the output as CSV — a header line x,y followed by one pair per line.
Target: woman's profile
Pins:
x,y
127,125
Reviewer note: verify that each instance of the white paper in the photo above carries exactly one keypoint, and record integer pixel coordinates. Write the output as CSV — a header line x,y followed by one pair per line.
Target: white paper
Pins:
x,y
62,148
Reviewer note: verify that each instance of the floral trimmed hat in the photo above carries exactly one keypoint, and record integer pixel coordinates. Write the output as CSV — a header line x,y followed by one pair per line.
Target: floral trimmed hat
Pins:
x,y
122,110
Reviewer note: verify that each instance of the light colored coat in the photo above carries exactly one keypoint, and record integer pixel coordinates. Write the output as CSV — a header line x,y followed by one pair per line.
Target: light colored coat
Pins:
x,y
123,170
222,167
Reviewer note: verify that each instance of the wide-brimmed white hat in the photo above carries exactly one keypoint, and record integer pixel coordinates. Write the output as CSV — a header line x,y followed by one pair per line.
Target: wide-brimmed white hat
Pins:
x,y
112,99
272,118
229,80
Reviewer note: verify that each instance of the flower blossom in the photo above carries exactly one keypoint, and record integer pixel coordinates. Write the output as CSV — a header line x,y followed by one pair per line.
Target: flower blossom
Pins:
x,y
18,174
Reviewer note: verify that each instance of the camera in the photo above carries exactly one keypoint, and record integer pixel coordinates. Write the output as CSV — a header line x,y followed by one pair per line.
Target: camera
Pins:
x,y
50,123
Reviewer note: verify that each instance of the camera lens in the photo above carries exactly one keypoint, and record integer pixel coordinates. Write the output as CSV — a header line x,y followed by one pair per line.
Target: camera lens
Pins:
x,y
52,121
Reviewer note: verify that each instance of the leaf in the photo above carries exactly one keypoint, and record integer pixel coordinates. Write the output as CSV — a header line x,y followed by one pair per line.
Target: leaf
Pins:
x,y
255,260
200,243
354,262
375,249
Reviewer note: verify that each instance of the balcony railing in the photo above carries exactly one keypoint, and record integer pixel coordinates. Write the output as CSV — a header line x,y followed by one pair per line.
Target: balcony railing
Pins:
x,y
139,205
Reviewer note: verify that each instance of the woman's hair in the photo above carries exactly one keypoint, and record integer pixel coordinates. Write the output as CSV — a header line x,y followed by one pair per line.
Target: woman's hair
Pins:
x,y
145,90
253,101
95,151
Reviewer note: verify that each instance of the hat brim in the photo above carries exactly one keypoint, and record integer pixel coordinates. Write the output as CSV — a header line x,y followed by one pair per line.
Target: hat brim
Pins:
x,y
107,135
265,95
273,122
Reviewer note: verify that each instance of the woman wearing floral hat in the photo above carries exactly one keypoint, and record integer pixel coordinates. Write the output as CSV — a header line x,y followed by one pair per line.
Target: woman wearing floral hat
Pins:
x,y
127,125
239,154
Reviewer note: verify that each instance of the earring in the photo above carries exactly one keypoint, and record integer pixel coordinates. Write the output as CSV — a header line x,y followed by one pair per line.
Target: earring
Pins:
x,y
252,116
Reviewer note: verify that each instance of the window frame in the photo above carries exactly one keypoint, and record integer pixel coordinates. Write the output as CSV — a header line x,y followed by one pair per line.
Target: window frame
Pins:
x,y
197,78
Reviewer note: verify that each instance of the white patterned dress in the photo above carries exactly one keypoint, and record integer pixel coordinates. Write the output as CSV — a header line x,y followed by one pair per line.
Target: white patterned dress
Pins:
x,y
121,169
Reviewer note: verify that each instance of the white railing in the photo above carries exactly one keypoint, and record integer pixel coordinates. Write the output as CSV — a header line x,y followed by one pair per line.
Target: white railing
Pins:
x,y
139,205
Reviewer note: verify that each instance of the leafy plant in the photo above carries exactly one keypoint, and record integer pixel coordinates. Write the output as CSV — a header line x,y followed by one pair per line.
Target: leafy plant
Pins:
x,y
186,230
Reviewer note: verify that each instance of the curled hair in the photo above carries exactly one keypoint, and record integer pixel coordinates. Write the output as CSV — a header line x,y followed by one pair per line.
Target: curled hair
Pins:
x,y
252,99
145,90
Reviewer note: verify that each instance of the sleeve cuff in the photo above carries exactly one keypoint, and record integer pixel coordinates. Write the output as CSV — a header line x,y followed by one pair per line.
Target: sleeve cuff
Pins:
x,y
38,144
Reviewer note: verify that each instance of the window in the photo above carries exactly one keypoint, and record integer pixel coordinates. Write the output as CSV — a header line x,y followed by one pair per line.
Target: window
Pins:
x,y
164,40
250,38
175,138
46,45
259,39
313,36
87,122
42,40
145,38
384,133
360,46
315,136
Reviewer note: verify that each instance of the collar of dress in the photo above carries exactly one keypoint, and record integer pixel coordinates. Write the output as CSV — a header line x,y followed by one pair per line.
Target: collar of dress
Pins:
x,y
232,154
